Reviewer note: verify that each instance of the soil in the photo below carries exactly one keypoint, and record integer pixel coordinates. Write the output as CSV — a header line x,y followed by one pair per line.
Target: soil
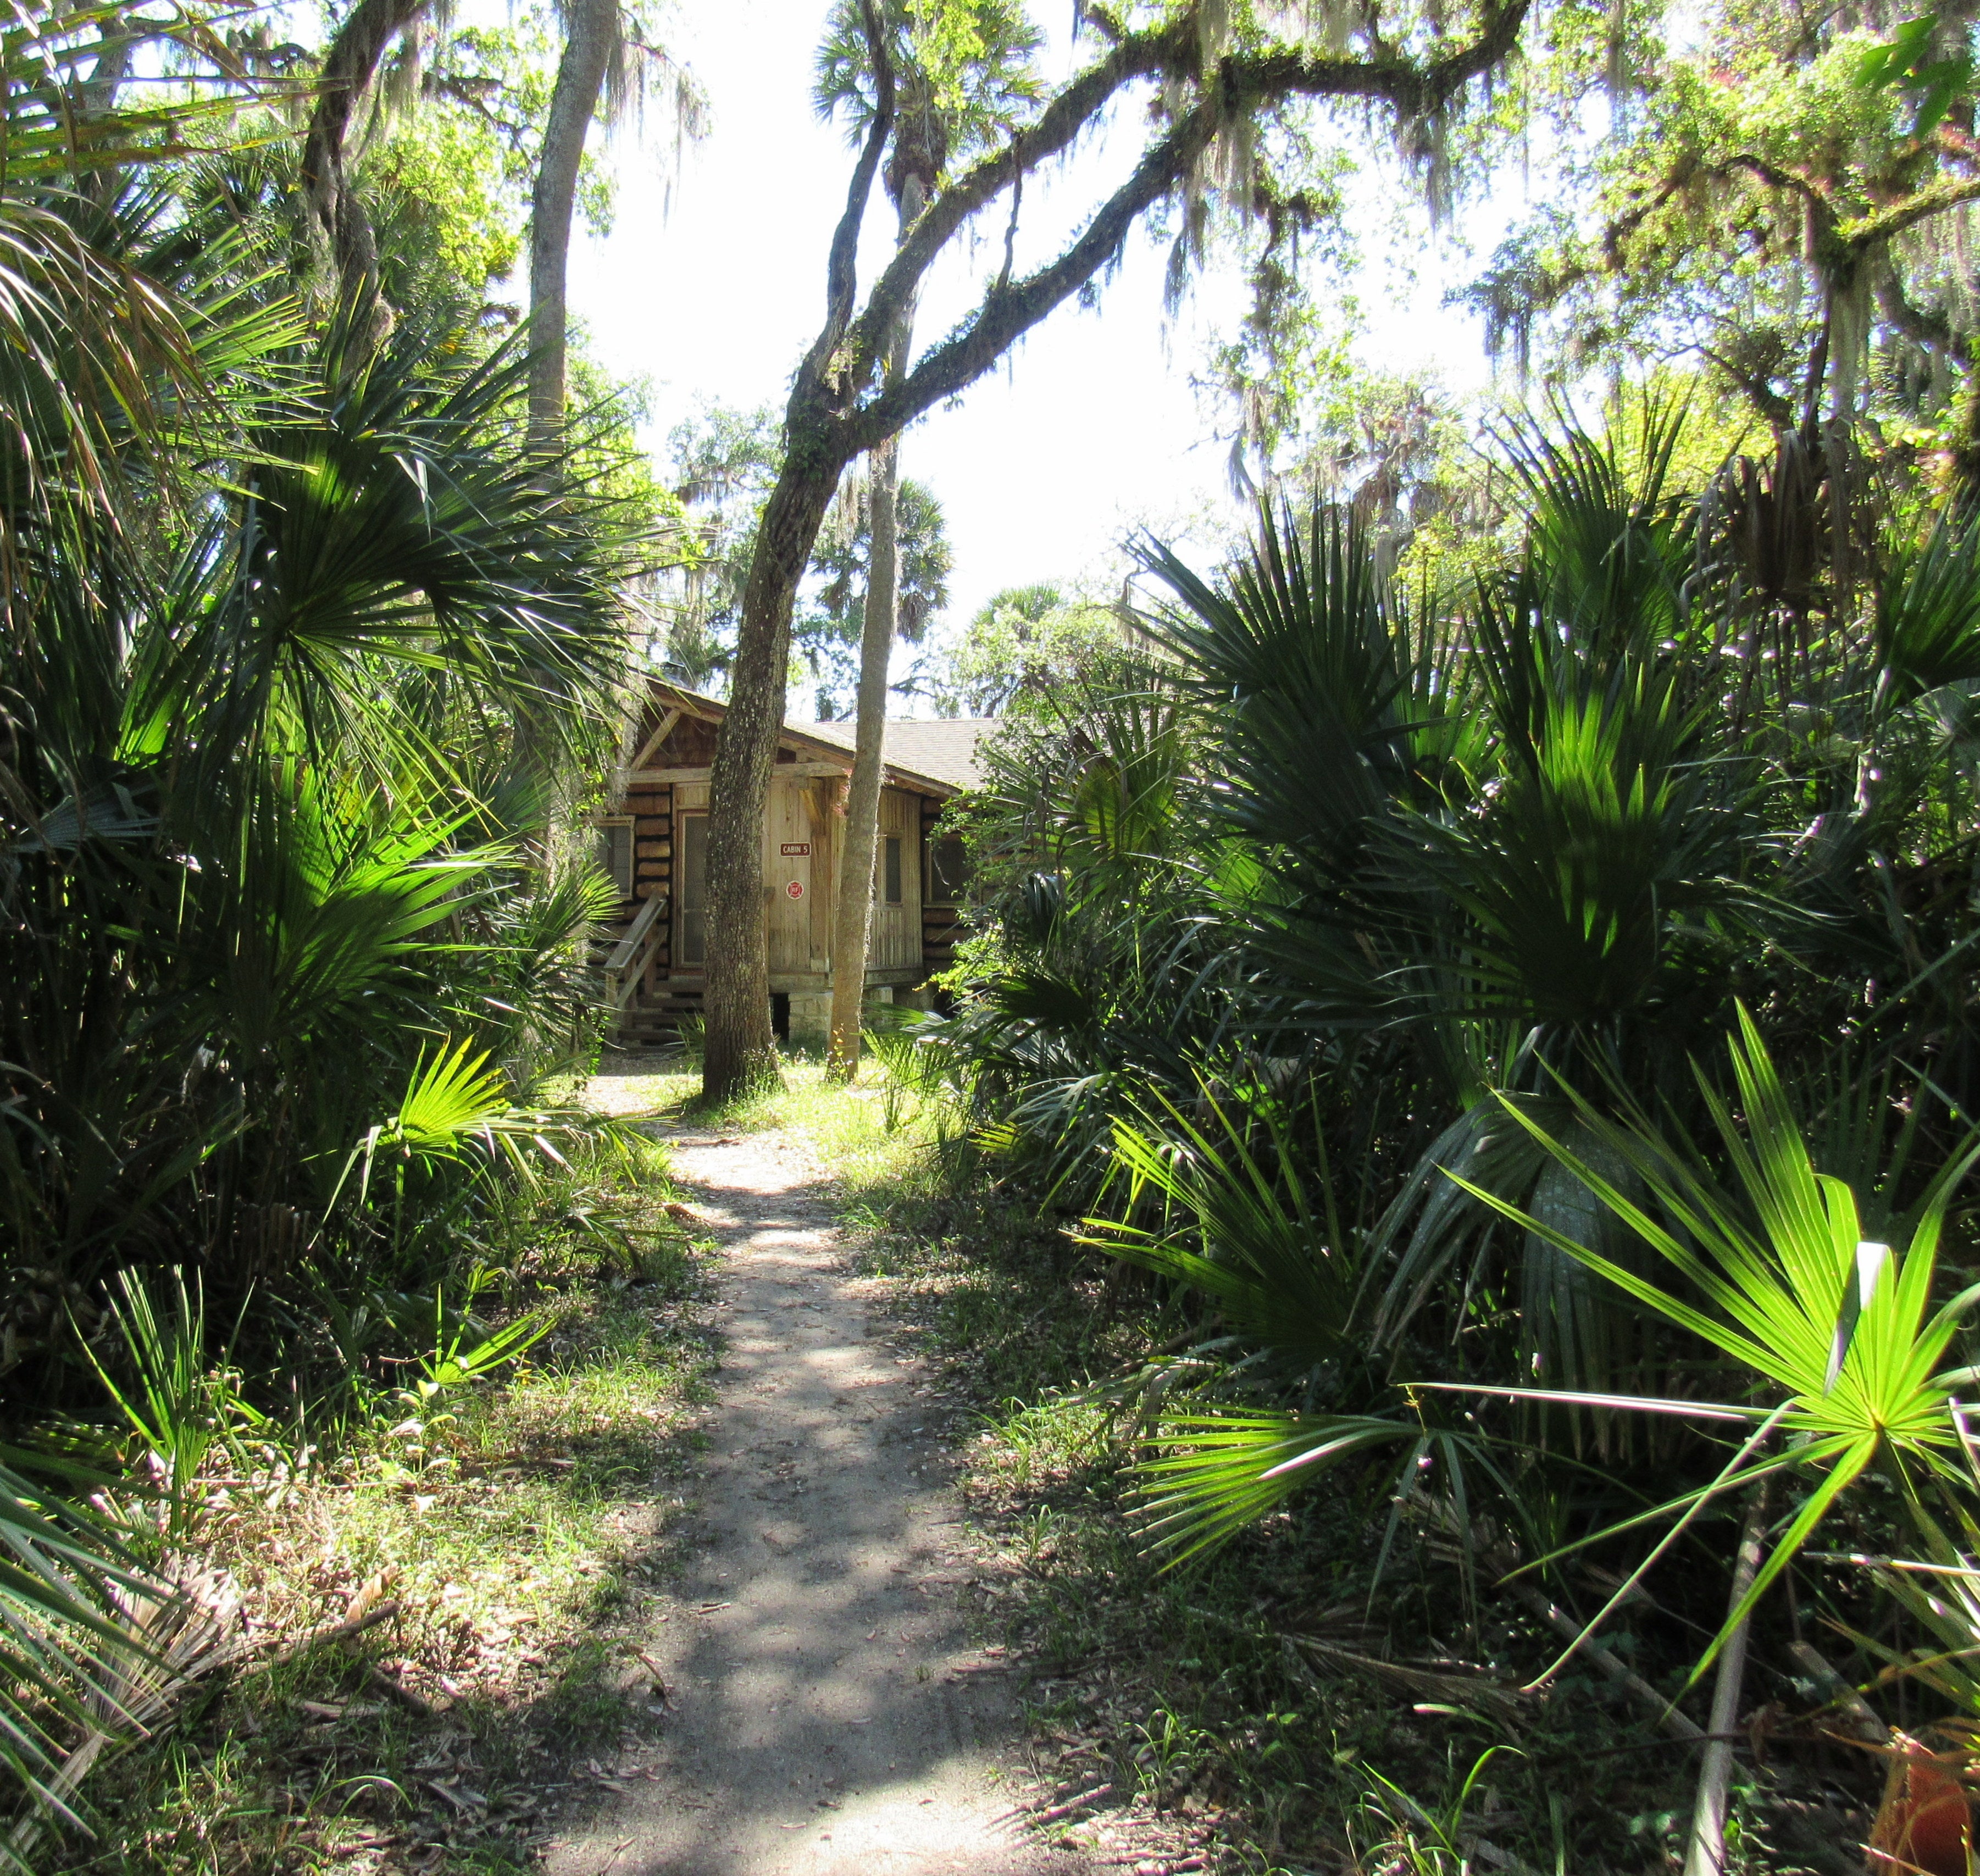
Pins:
x,y
824,1710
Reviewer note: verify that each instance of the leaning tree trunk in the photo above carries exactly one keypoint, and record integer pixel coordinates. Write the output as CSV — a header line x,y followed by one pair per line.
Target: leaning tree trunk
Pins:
x,y
742,1051
590,29
853,910
338,217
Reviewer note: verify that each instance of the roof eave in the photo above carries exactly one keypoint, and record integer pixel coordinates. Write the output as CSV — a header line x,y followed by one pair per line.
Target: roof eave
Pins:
x,y
694,704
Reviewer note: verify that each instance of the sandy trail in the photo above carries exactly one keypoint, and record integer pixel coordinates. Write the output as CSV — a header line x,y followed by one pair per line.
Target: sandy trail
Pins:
x,y
828,1716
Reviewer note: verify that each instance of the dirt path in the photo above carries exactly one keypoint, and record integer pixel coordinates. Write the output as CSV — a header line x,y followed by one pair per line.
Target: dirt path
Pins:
x,y
827,1714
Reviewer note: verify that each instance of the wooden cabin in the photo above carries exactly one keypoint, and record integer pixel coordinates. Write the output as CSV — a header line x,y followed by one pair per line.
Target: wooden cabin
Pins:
x,y
654,844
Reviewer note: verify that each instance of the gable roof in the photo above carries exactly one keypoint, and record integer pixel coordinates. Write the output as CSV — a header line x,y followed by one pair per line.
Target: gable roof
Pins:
x,y
944,748
940,756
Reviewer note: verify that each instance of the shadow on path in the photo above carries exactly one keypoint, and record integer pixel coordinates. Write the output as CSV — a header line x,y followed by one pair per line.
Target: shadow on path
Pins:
x,y
826,1715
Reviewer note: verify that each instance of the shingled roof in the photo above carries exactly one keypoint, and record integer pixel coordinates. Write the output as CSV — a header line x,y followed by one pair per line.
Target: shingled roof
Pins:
x,y
944,748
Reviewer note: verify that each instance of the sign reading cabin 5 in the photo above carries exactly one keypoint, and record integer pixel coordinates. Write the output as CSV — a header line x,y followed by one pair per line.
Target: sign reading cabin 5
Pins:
x,y
795,850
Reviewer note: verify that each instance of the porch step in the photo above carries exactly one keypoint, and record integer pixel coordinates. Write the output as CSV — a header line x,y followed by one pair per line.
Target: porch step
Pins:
x,y
651,1020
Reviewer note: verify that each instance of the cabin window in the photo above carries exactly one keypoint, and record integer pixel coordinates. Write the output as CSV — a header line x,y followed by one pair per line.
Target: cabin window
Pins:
x,y
615,852
890,870
946,873
693,885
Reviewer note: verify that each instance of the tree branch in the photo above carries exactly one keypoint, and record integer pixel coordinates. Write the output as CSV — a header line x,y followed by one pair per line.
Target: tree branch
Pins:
x,y
1864,229
1413,89
1005,315
1061,122
1931,329
1776,177
1009,310
1621,230
348,68
842,277
1778,411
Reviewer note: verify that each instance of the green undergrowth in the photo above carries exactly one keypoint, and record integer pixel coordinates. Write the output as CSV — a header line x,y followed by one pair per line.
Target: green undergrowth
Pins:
x,y
1277,1704
512,1532
1301,1701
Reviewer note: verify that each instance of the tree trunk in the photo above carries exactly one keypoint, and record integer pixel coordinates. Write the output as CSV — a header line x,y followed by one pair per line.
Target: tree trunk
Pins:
x,y
590,27
852,911
742,1052
349,66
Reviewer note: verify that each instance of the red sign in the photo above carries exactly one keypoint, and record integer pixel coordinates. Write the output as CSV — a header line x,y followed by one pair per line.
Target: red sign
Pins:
x,y
796,850
796,889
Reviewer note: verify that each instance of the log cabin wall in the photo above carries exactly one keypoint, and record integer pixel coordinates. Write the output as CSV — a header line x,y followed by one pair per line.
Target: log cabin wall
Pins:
x,y
666,787
689,743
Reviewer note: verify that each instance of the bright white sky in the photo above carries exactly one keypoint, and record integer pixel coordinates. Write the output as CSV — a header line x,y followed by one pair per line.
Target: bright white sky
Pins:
x,y
1092,429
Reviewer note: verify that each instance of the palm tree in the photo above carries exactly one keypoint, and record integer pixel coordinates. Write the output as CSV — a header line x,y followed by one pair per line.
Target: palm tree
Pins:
x,y
605,50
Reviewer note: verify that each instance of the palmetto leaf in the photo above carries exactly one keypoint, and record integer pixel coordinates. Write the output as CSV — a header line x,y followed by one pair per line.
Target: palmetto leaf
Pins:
x,y
67,1648
1321,689
1220,1473
1841,1334
458,1102
1928,618
1611,530
1272,1260
453,1098
1284,1276
1609,827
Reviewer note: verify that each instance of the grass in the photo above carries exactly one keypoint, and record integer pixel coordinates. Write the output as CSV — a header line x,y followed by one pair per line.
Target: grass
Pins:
x,y
516,1532
869,1136
524,1534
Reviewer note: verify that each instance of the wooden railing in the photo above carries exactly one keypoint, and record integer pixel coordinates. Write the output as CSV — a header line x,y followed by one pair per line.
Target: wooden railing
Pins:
x,y
626,962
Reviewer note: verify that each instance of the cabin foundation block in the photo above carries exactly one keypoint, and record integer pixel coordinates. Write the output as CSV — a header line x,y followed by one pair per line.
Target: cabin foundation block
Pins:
x,y
811,1018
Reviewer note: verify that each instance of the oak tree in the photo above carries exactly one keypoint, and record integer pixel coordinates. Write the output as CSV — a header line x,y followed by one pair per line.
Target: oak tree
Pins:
x,y
1208,77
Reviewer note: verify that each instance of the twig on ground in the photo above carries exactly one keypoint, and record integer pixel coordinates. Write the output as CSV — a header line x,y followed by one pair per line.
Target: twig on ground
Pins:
x,y
390,1683
352,1626
1862,1717
1071,1804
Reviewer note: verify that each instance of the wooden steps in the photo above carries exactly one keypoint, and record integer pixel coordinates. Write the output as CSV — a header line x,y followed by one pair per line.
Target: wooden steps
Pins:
x,y
653,1021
